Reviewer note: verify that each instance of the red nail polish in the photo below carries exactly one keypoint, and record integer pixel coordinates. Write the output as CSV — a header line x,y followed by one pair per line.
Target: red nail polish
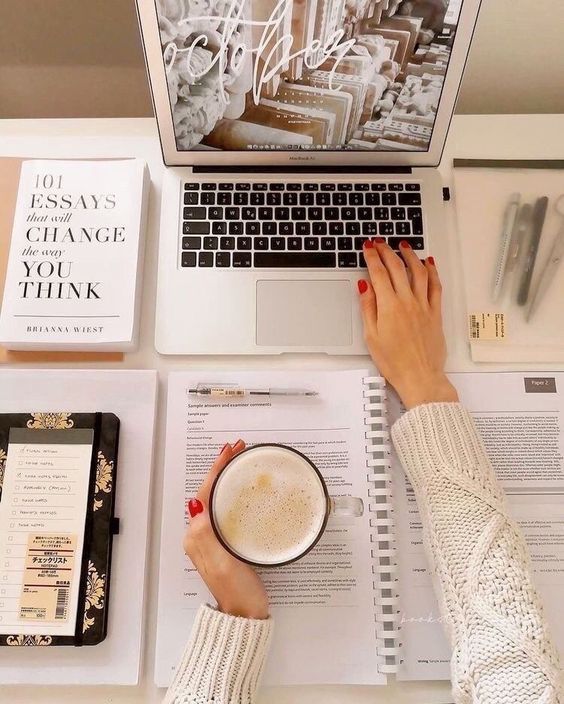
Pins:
x,y
362,286
379,240
195,506
405,244
368,244
224,448
431,261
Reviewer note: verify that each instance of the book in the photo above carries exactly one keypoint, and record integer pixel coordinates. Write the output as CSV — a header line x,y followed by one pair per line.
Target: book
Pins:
x,y
367,580
57,496
131,395
74,272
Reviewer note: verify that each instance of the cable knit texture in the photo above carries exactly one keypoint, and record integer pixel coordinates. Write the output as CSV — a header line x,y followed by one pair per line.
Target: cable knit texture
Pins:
x,y
502,651
223,661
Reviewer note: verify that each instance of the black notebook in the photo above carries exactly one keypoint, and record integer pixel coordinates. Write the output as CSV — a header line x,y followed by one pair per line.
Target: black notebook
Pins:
x,y
57,499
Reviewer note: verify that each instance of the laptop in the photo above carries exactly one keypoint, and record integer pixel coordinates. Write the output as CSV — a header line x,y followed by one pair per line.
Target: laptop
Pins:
x,y
292,131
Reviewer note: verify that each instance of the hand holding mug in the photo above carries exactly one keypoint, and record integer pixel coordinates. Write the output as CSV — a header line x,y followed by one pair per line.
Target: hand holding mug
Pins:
x,y
235,585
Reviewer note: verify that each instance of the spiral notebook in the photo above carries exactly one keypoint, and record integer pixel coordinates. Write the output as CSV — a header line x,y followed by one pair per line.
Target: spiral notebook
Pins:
x,y
341,598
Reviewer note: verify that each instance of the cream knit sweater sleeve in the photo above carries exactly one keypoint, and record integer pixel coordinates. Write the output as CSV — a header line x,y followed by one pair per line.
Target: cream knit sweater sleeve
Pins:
x,y
223,660
502,651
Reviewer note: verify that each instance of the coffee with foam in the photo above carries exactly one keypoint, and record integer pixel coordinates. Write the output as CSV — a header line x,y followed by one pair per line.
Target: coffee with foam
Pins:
x,y
269,505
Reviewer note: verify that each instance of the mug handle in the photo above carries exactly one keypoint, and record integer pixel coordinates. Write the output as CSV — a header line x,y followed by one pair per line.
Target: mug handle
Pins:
x,y
349,506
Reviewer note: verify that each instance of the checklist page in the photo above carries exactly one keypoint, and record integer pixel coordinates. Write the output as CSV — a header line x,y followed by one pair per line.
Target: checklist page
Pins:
x,y
42,523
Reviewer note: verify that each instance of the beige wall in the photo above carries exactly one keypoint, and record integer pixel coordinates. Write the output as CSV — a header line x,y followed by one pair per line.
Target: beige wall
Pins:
x,y
65,58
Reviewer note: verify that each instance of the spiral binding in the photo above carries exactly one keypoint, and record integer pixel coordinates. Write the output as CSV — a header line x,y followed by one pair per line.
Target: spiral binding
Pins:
x,y
384,568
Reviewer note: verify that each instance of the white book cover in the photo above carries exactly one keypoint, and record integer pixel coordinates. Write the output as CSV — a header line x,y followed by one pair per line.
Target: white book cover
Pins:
x,y
74,271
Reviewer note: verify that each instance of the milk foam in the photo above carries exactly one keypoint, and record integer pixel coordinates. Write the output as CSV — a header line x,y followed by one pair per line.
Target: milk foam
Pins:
x,y
269,505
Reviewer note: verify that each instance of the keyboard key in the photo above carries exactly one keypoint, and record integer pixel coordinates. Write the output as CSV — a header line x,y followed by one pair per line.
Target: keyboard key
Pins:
x,y
205,259
215,213
369,229
303,228
295,243
398,213
409,199
191,198
359,243
328,187
286,228
241,199
210,242
319,228
415,242
242,260
347,260
403,228
219,228
311,187
356,198
191,186
207,199
252,228
344,243
323,198
331,213
209,186
191,243
194,213
282,213
232,213
242,186
277,243
248,213
328,243
414,213
276,186
288,260
195,228
381,214
260,243
417,226
395,187
378,186
235,228
364,213
273,198
339,199
349,214
298,213
308,198
290,198
386,228
225,186
265,214
269,228
314,214
257,199
311,243
361,187
352,228
227,243
244,243
293,186
260,187
412,186
336,228
344,187
389,199
223,259
224,198
188,259
372,199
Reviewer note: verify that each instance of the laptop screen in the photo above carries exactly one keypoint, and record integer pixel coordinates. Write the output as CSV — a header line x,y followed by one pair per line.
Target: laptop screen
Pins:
x,y
355,75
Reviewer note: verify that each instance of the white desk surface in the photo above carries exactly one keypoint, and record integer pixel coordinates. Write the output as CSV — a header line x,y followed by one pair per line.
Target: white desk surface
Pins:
x,y
476,136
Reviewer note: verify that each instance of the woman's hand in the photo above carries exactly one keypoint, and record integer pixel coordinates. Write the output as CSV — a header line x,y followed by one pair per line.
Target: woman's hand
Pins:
x,y
235,585
403,329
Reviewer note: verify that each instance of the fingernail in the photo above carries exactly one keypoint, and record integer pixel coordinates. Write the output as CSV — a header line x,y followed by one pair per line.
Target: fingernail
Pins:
x,y
405,244
379,240
368,244
224,448
431,261
362,286
195,506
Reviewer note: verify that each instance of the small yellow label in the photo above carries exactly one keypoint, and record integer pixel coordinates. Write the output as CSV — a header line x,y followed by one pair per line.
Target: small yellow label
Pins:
x,y
487,326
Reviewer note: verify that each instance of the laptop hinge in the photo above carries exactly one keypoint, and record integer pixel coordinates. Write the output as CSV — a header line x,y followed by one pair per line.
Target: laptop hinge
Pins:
x,y
296,170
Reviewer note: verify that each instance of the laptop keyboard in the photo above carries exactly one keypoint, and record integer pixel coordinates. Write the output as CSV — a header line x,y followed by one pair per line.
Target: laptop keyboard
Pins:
x,y
295,225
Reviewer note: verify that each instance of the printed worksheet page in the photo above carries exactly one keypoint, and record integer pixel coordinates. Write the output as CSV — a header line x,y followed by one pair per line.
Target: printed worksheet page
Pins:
x,y
323,605
520,419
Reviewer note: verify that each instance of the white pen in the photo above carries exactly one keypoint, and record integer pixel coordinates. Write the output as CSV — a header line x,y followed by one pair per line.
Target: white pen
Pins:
x,y
508,224
519,236
237,391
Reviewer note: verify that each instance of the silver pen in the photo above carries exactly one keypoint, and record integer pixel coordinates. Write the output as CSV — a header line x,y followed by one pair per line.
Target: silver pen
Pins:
x,y
229,391
519,236
509,219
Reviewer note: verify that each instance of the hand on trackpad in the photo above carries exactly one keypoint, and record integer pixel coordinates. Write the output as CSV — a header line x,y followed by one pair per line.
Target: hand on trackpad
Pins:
x,y
304,313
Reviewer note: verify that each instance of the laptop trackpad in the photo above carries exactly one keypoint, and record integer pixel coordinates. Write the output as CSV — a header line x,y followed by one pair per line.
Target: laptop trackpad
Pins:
x,y
304,313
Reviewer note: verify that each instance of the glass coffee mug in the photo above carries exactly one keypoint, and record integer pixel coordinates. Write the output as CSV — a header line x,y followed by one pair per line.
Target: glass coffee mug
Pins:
x,y
269,506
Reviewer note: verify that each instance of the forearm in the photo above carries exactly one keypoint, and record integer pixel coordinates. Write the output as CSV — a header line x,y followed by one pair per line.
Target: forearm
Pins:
x,y
223,661
501,647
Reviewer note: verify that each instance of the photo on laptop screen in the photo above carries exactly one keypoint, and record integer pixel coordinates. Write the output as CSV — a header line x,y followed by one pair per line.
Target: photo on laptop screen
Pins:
x,y
306,74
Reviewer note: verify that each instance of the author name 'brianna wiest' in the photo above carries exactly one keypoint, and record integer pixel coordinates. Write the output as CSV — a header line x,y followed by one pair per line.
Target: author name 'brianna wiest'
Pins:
x,y
76,254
